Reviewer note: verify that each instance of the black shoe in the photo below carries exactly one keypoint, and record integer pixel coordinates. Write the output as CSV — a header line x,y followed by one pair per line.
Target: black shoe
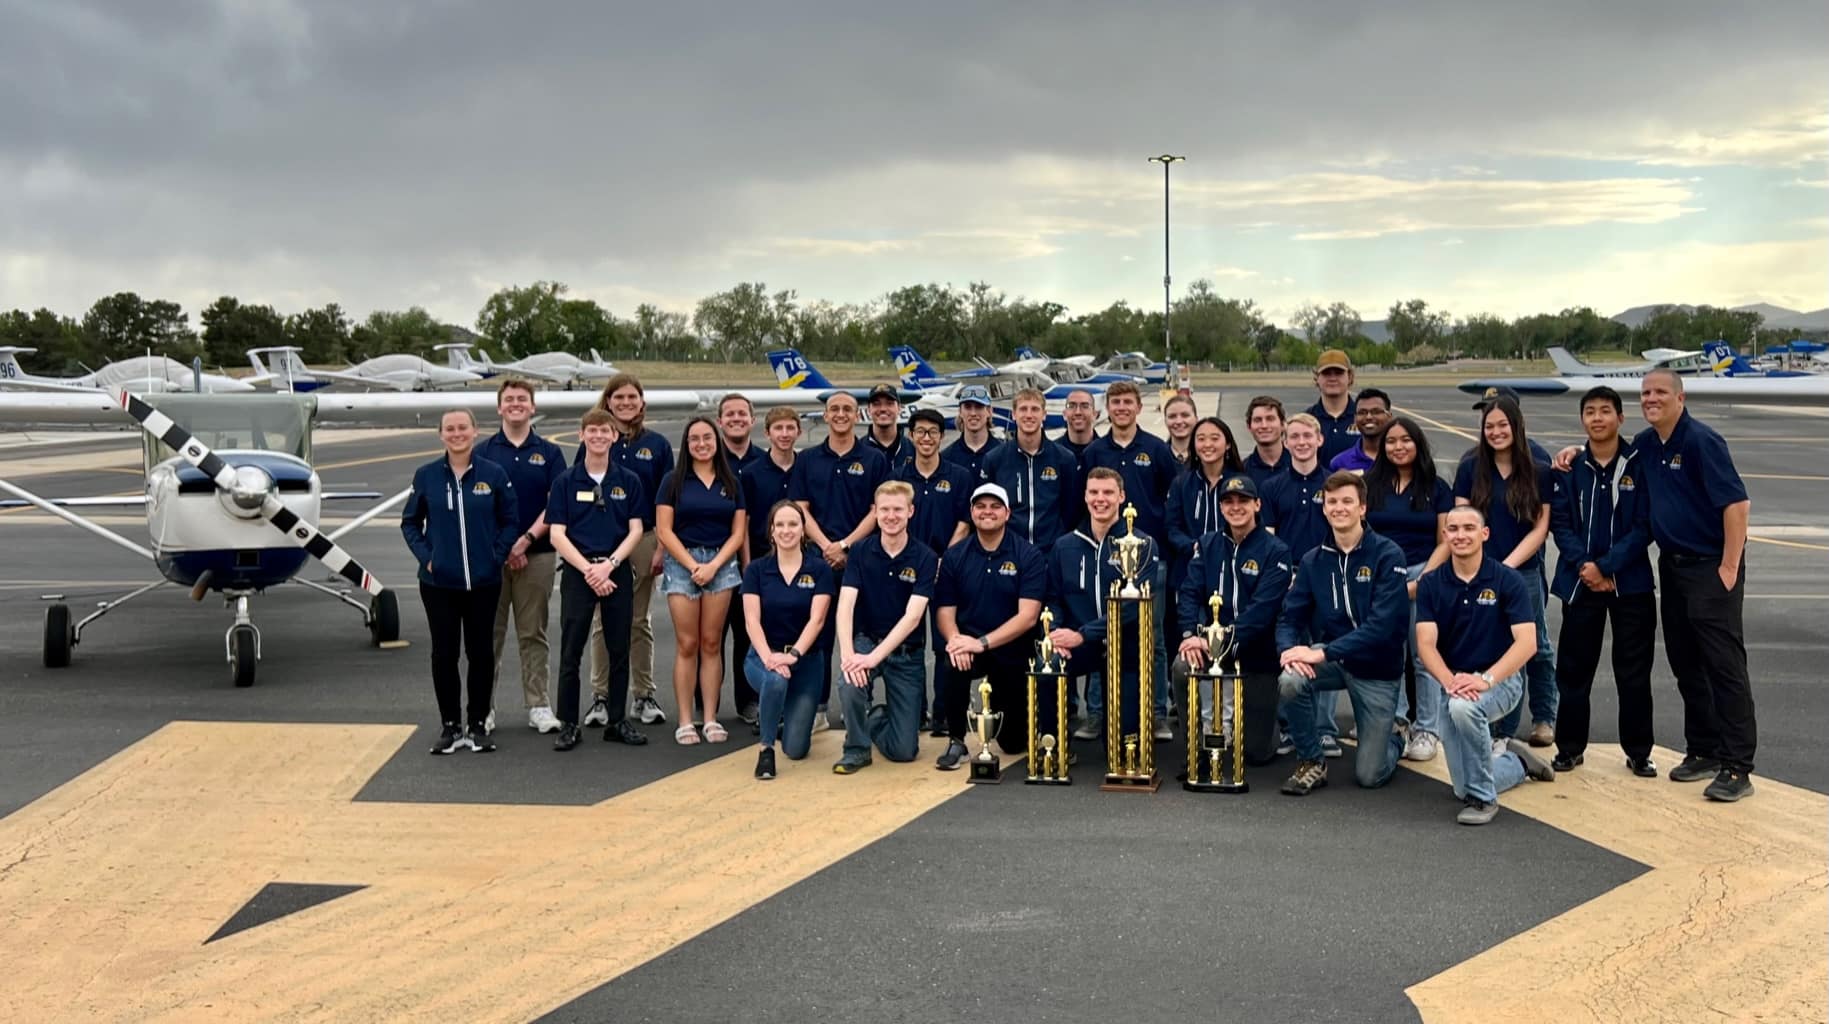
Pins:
x,y
849,766
568,737
950,761
451,740
1643,767
1730,785
1695,769
1567,762
624,731
479,739
938,730
765,763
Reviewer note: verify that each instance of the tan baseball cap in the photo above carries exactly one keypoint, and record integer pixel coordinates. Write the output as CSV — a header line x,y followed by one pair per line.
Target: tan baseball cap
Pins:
x,y
1331,358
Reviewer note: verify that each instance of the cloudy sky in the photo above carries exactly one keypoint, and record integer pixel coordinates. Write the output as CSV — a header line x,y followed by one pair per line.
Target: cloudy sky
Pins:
x,y
1501,158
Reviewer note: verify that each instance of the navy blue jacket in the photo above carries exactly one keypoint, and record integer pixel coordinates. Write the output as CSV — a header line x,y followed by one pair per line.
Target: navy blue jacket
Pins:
x,y
1252,579
460,531
1192,513
1355,604
1601,514
1046,496
1080,575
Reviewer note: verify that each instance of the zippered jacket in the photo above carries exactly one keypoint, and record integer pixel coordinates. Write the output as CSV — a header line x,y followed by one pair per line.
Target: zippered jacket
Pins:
x,y
1354,604
460,530
1603,516
1252,579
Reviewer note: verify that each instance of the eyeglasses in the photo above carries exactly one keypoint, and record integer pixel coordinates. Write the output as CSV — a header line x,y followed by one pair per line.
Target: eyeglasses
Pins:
x,y
924,432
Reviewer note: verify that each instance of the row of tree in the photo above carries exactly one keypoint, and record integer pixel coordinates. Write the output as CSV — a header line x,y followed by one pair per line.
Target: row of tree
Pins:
x,y
943,322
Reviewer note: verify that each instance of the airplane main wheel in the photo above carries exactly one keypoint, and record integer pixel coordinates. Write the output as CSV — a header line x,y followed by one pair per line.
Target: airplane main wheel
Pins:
x,y
383,618
59,637
244,654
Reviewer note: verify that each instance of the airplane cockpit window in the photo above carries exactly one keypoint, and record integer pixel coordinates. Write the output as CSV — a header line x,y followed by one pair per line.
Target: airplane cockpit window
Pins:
x,y
270,423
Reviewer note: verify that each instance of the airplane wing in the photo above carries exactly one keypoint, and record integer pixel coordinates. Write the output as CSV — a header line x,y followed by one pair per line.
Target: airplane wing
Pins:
x,y
47,387
358,380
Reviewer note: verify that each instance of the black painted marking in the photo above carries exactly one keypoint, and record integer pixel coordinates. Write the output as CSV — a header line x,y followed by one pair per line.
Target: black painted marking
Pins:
x,y
276,900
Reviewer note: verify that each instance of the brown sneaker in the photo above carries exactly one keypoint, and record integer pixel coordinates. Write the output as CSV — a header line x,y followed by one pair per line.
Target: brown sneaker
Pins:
x,y
1308,777
1543,734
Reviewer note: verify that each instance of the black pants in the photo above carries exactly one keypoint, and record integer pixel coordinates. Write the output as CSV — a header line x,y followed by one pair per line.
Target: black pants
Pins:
x,y
1584,628
462,620
1006,669
1706,647
577,603
1261,699
738,644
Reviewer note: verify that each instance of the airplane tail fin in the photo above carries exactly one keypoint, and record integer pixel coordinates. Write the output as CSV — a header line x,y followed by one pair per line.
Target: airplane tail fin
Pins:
x,y
9,362
1568,364
1723,361
260,367
1025,352
909,365
792,370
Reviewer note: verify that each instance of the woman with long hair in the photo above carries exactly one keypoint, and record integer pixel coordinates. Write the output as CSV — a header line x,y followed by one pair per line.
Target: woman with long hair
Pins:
x,y
700,522
787,595
1178,416
1511,489
1192,510
1408,502
645,453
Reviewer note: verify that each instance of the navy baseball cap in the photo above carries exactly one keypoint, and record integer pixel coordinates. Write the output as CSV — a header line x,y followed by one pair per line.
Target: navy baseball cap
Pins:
x,y
1490,395
1239,484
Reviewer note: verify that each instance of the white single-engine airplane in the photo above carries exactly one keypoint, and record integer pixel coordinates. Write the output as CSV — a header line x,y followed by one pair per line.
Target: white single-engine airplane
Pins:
x,y
143,375
561,368
235,522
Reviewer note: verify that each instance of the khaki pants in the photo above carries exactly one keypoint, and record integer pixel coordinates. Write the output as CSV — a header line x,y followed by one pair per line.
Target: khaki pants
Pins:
x,y
526,595
641,630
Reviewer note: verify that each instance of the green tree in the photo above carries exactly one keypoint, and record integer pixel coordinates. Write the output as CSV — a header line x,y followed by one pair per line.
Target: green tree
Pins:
x,y
63,347
585,326
412,332
1412,323
231,328
738,324
929,317
123,325
661,334
1333,326
321,334
1119,328
1483,336
525,320
1211,329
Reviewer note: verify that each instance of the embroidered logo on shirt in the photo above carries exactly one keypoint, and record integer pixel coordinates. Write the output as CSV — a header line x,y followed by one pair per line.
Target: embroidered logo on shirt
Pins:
x,y
1626,484
1487,597
1007,569
1248,567
805,581
644,453
1676,461
536,459
482,487
1048,473
944,487
1142,459
618,494
906,574
1364,575
855,469
1316,498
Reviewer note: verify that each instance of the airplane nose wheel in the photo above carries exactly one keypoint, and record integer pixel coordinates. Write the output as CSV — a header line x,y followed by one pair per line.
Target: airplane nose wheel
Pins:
x,y
243,643
384,618
58,636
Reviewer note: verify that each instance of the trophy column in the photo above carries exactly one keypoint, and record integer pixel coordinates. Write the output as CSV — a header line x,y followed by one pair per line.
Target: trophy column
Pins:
x,y
1130,758
1216,761
1048,754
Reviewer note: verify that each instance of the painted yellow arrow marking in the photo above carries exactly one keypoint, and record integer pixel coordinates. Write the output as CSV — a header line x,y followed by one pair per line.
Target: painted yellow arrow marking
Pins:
x,y
110,884
1726,926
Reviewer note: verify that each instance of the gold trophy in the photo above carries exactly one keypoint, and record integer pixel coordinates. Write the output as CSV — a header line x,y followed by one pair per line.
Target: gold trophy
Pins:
x,y
1048,757
1130,759
986,767
1222,770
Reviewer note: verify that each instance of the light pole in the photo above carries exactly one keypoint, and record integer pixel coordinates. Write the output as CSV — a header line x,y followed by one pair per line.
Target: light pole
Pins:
x,y
1168,346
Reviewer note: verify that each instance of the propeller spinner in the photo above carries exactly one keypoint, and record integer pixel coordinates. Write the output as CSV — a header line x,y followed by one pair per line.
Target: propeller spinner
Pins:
x,y
245,491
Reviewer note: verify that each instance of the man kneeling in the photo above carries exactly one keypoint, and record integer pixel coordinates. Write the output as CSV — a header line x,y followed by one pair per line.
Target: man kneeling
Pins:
x,y
1475,631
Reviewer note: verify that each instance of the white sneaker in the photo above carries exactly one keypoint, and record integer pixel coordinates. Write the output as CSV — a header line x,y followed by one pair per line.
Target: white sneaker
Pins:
x,y
1330,747
542,719
1164,731
1284,745
819,722
599,714
1088,730
1499,746
648,711
1422,746
489,723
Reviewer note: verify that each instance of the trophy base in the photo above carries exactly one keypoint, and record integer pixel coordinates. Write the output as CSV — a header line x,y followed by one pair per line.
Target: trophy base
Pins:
x,y
1193,786
1119,782
1048,780
986,771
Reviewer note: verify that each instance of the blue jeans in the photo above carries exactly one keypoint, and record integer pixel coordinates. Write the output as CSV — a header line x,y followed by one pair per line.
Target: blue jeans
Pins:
x,y
1468,741
788,700
1374,711
1428,698
896,732
1540,672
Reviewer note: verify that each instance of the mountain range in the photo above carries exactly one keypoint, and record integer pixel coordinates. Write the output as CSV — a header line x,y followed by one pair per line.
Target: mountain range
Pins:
x,y
1777,318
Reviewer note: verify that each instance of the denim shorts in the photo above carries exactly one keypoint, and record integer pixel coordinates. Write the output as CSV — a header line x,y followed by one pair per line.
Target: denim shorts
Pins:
x,y
676,580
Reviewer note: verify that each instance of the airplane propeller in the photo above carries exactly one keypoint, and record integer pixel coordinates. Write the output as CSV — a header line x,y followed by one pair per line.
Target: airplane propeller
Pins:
x,y
251,491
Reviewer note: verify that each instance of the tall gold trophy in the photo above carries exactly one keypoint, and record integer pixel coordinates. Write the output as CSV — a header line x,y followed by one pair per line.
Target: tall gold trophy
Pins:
x,y
1130,759
1216,753
1048,756
986,765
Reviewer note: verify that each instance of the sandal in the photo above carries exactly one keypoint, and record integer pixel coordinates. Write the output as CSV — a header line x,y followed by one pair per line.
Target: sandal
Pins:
x,y
714,733
685,735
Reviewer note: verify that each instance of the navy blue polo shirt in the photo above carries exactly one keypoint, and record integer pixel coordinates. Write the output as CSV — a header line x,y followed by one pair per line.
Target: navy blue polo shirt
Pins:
x,y
1149,468
1691,479
648,456
532,466
1078,449
884,584
1292,509
703,512
895,452
838,489
1259,472
596,529
1414,529
764,484
1473,619
985,585
1506,528
788,604
1338,433
958,454
738,463
941,502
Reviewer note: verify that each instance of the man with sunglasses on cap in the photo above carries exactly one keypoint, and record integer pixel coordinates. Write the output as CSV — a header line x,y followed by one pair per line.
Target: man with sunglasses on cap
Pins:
x,y
974,422
1335,409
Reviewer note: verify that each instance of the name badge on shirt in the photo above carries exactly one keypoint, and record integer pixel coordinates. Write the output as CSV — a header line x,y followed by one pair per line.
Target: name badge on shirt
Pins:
x,y
584,496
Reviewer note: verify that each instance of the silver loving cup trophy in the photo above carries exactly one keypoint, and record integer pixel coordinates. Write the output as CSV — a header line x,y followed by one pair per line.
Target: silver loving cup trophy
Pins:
x,y
1130,554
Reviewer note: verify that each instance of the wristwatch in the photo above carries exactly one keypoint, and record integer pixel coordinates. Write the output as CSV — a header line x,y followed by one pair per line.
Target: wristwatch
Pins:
x,y
614,561
790,649
1486,677
844,545
986,641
